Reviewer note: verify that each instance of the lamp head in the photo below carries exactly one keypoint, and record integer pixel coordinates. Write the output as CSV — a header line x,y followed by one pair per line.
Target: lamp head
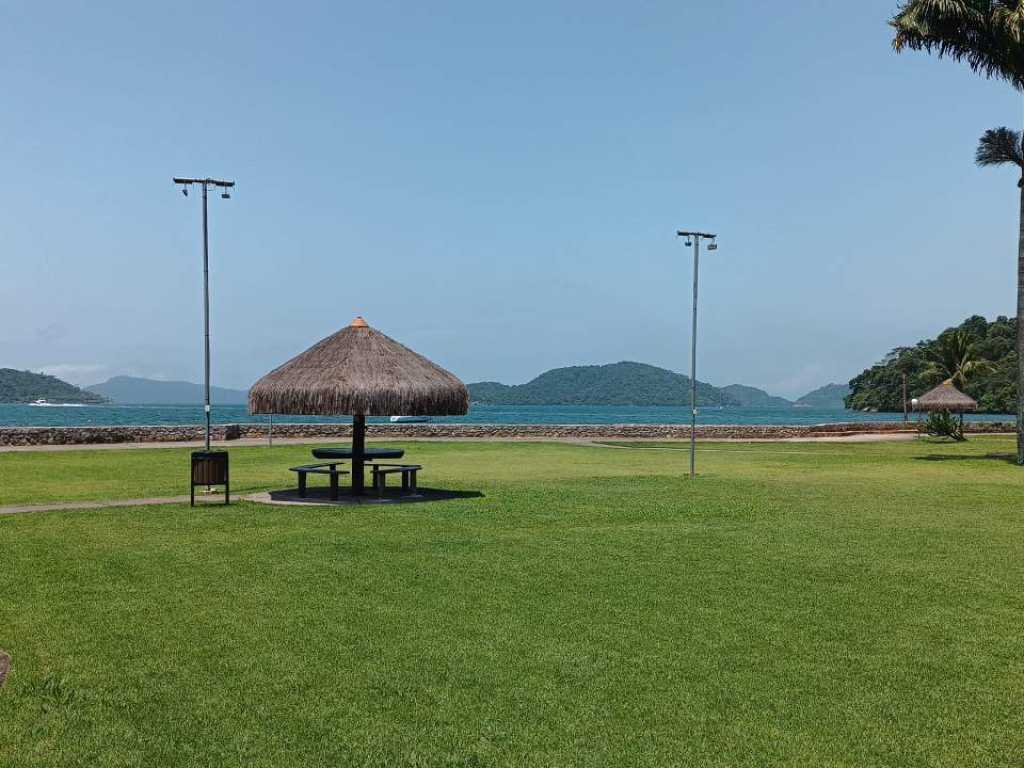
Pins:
x,y
184,191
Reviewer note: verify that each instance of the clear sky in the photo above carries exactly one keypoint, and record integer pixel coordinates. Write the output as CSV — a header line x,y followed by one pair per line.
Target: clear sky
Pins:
x,y
495,185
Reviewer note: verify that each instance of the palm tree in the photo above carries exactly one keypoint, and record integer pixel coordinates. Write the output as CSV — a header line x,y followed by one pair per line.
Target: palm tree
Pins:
x,y
953,358
989,36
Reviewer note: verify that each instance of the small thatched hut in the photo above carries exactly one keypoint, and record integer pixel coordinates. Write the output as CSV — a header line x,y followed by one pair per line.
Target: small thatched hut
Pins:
x,y
359,372
946,397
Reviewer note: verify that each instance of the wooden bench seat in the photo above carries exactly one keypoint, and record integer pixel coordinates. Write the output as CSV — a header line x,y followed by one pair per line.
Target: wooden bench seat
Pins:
x,y
327,468
407,471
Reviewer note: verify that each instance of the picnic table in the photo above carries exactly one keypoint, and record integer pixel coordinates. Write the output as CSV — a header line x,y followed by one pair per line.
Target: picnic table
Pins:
x,y
369,454
358,454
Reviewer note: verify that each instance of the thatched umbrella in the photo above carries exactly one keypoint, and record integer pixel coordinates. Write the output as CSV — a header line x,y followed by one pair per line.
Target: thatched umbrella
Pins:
x,y
359,372
946,397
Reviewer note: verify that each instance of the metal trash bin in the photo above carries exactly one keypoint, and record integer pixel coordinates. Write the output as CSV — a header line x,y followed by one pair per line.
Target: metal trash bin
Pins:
x,y
210,468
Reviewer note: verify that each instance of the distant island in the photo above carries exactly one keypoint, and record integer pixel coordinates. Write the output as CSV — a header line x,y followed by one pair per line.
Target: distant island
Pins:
x,y
131,390
994,386
829,396
26,387
625,383
619,384
752,397
616,384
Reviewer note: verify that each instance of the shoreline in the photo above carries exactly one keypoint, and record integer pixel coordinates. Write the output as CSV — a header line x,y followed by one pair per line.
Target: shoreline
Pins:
x,y
239,434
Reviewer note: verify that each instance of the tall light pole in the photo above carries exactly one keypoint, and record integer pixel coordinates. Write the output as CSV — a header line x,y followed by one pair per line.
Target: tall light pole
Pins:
x,y
694,238
906,417
224,186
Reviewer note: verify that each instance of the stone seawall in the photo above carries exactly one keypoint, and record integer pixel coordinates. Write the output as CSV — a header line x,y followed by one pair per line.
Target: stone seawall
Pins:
x,y
28,436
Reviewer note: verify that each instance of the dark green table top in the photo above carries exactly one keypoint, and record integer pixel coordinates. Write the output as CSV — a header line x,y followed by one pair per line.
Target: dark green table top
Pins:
x,y
370,454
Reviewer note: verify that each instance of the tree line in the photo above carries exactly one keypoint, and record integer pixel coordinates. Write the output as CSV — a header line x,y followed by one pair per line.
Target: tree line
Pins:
x,y
985,352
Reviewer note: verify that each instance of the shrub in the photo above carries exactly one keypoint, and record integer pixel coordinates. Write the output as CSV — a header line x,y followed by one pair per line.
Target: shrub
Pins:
x,y
944,424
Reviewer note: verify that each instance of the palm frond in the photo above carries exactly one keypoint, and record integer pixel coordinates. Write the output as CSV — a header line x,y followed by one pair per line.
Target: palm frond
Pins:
x,y
954,357
1008,18
972,367
999,147
986,34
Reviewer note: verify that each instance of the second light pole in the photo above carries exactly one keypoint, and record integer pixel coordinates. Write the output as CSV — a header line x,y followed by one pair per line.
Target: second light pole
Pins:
x,y
694,238
185,183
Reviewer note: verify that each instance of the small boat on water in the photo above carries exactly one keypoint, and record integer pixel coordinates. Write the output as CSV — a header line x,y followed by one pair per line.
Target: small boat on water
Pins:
x,y
409,419
42,402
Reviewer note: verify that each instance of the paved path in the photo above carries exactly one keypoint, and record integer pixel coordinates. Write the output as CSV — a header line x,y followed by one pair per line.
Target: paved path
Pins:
x,y
684,442
198,444
278,441
859,437
70,506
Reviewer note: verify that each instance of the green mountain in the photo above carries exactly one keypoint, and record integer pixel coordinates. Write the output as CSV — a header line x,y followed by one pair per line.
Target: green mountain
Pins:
x,y
829,396
130,390
752,397
880,387
24,387
617,384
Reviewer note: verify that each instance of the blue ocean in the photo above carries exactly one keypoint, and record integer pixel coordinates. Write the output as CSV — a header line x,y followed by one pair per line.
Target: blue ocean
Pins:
x,y
153,415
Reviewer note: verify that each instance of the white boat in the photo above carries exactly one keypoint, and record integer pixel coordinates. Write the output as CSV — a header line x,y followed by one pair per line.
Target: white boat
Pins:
x,y
42,402
409,419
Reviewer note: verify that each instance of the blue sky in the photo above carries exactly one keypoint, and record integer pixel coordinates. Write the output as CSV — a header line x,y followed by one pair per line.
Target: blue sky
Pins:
x,y
496,186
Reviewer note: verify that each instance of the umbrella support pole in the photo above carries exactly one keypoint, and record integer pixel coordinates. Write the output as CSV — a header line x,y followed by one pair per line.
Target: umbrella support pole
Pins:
x,y
358,450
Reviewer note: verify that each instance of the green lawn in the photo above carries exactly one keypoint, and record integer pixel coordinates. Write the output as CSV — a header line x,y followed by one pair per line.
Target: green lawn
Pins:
x,y
797,604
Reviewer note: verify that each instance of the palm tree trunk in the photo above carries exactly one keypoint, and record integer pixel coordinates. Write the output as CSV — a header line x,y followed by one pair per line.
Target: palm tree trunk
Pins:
x,y
1020,331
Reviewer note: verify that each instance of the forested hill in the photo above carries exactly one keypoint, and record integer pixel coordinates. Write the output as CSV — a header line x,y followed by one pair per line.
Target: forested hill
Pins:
x,y
616,384
752,397
829,396
880,387
25,386
136,391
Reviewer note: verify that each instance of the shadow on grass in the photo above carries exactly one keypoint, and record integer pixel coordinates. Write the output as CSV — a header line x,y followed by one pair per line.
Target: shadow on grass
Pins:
x,y
1007,458
319,497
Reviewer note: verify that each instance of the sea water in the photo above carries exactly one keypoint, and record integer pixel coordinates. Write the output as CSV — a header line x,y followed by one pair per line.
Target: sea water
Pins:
x,y
154,415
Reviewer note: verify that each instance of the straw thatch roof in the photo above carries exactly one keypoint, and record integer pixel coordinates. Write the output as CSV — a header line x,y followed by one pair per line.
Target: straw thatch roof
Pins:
x,y
946,397
359,370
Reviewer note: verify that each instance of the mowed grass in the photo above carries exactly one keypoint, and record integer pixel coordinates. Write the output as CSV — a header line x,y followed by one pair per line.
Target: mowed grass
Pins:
x,y
797,604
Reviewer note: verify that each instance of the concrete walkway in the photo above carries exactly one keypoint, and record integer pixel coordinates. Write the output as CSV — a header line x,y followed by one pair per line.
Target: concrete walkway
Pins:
x,y
857,437
279,441
71,506
196,444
